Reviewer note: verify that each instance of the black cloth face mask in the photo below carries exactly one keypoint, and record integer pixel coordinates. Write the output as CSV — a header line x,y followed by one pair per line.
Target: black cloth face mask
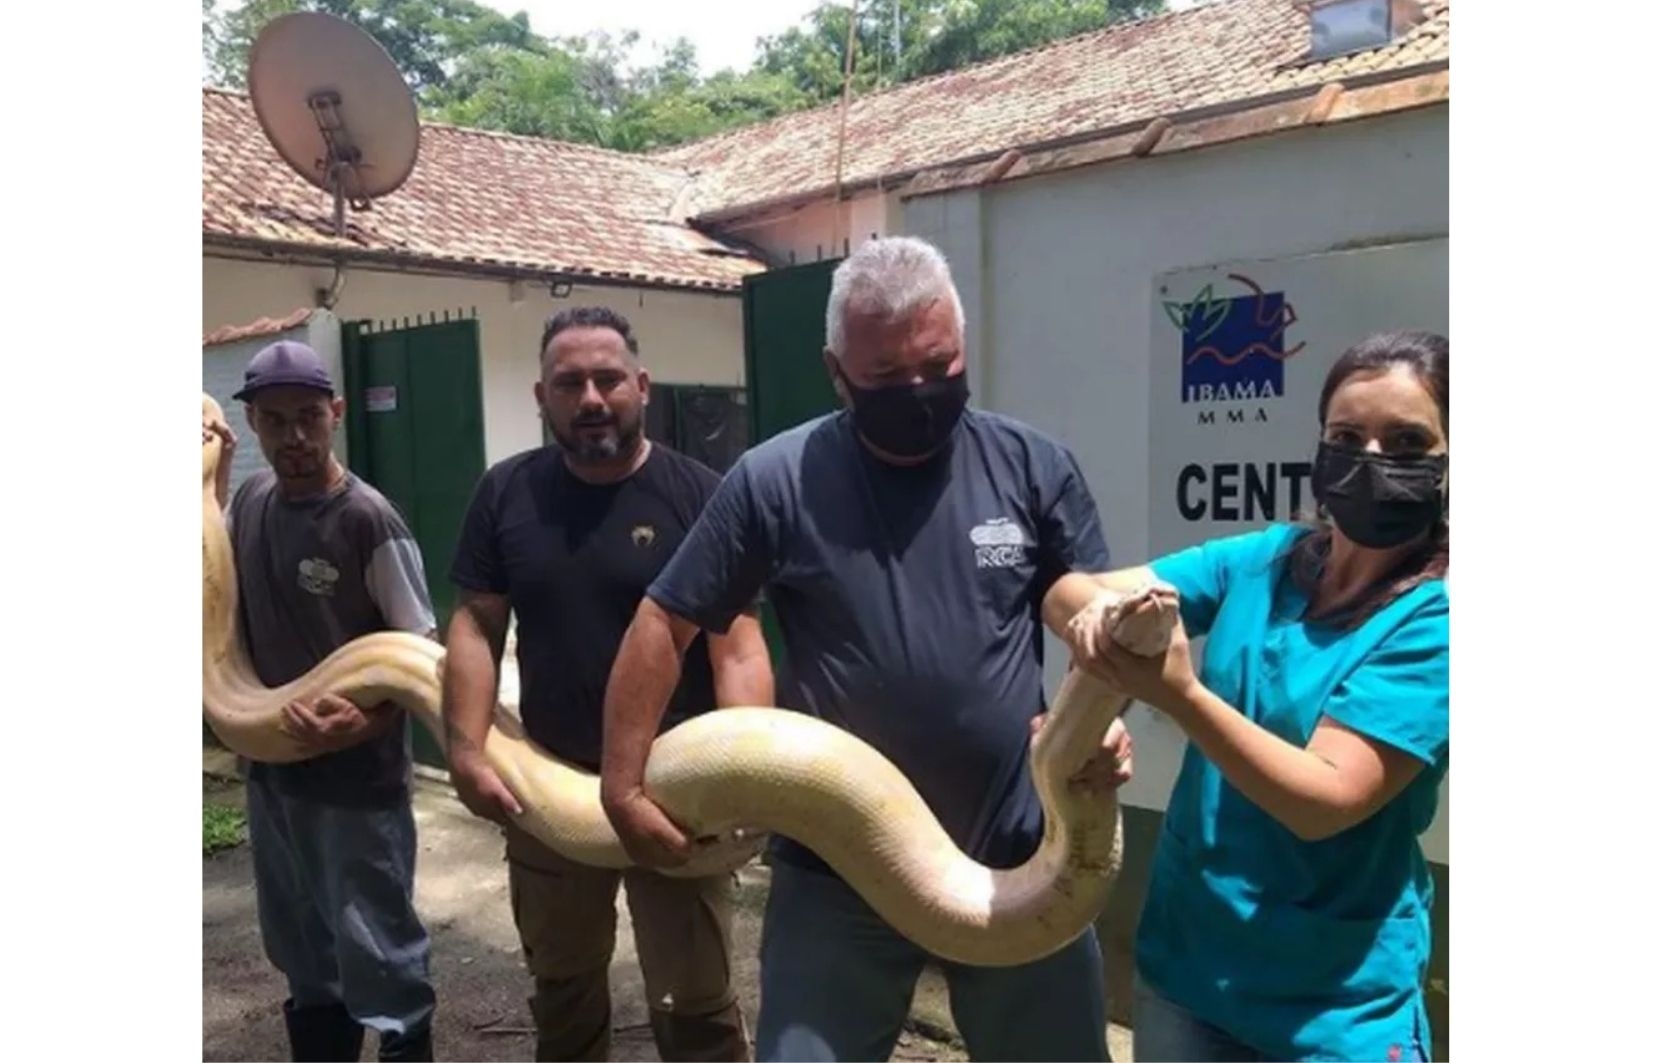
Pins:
x,y
908,420
1377,501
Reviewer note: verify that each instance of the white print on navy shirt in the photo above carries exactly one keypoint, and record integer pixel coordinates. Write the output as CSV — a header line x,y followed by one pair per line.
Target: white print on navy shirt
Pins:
x,y
317,576
1000,544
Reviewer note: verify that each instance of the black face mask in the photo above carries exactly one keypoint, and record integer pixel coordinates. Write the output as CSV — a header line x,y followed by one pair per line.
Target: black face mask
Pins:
x,y
1379,502
909,420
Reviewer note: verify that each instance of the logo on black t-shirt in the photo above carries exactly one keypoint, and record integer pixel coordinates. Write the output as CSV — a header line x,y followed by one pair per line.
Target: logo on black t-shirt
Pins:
x,y
643,536
1000,544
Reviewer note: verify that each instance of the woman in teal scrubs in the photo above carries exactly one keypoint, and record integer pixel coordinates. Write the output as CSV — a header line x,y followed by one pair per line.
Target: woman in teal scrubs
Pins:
x,y
1288,910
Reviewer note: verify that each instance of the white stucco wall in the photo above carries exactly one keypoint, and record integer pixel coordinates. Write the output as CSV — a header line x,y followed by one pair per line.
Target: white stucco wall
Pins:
x,y
1056,274
686,337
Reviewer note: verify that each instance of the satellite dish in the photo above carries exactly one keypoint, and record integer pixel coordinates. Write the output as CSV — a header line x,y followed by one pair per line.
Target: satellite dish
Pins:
x,y
333,105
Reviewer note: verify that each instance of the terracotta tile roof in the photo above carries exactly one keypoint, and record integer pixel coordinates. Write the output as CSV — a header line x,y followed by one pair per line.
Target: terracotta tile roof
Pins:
x,y
1211,56
476,198
264,326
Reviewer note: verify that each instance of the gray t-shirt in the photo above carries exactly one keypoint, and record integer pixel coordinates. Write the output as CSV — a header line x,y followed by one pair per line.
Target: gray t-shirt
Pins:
x,y
908,599
313,574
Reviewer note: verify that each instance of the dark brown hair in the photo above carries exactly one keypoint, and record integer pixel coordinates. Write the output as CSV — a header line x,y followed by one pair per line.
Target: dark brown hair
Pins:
x,y
1425,353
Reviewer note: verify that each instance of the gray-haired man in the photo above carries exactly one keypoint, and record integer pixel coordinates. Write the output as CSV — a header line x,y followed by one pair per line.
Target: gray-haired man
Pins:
x,y
907,544
322,558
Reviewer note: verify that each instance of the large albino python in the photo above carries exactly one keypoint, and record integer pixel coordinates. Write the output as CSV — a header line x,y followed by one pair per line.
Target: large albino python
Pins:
x,y
742,771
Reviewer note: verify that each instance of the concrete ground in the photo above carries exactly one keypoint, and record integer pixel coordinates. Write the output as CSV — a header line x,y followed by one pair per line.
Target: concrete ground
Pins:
x,y
482,1013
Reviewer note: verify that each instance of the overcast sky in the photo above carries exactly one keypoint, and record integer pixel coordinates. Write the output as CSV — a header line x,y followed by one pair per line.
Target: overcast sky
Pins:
x,y
725,32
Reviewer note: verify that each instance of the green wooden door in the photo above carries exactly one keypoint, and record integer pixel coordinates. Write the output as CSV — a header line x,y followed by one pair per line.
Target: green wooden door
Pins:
x,y
784,317
414,424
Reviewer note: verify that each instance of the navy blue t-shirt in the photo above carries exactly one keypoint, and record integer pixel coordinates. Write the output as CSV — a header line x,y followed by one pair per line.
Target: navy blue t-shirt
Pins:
x,y
908,600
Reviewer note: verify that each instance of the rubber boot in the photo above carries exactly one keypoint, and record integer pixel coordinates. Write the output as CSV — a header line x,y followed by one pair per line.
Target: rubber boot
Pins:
x,y
322,1033
414,1046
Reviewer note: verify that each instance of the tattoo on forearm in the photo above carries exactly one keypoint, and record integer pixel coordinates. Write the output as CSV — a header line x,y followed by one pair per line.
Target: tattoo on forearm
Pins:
x,y
457,739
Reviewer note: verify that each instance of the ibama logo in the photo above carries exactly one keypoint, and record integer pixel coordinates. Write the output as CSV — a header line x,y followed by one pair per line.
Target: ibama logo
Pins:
x,y
1234,347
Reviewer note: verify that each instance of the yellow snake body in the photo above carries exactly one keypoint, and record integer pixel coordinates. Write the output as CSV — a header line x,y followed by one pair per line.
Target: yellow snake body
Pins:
x,y
734,773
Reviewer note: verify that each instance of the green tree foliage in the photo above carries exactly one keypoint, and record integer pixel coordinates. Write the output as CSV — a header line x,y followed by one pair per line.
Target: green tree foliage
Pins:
x,y
899,40
426,38
470,65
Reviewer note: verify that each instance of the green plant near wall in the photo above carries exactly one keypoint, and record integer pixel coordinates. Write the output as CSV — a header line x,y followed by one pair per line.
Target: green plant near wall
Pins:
x,y
222,827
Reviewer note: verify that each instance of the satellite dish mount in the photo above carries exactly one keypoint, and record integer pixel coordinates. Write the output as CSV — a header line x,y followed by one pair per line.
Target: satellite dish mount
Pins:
x,y
343,161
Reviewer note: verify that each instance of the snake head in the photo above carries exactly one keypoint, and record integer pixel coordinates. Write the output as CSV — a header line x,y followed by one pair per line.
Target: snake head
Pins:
x,y
212,448
1143,631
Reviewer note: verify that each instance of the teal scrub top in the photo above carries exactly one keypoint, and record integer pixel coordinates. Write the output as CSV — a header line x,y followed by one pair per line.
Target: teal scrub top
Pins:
x,y
1302,950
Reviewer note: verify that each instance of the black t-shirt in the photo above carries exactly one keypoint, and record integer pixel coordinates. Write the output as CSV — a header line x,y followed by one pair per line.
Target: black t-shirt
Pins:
x,y
908,599
574,559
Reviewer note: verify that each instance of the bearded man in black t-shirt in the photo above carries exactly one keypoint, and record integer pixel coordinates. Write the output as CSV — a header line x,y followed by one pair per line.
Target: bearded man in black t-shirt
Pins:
x,y
569,536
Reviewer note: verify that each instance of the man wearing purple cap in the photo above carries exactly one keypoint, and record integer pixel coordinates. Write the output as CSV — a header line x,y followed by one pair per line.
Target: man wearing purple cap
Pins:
x,y
323,558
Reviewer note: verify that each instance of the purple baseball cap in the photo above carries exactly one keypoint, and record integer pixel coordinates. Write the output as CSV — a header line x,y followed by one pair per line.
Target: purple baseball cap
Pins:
x,y
285,362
